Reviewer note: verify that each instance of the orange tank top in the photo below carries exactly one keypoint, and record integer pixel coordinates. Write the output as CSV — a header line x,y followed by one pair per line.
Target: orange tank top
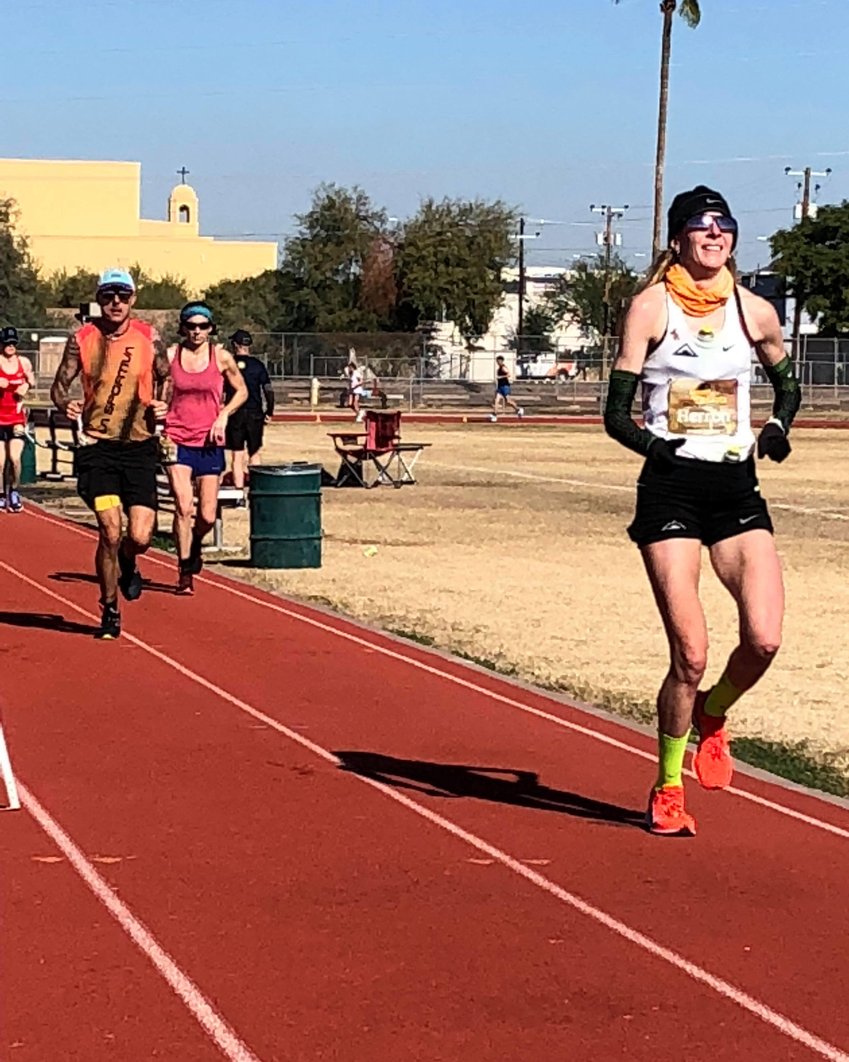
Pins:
x,y
117,379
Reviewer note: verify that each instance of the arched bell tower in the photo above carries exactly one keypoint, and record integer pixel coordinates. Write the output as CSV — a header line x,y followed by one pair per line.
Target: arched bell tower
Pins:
x,y
183,208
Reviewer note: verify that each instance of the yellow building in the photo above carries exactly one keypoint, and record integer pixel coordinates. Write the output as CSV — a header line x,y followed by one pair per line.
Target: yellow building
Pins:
x,y
86,215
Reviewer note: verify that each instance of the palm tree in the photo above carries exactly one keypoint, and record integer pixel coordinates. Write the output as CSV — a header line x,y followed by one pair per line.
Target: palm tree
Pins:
x,y
691,13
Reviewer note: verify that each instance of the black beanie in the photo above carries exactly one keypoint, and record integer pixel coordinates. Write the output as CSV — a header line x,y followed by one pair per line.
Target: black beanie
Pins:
x,y
686,205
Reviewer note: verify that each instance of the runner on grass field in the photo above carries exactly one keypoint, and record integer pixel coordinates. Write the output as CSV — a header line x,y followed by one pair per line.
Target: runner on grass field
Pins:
x,y
687,342
122,364
246,427
16,379
196,426
503,387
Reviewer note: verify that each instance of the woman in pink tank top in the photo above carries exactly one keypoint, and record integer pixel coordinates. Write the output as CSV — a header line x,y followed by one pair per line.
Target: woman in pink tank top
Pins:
x,y
194,427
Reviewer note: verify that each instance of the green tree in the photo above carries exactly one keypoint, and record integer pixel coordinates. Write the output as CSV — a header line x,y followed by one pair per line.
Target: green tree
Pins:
x,y
539,323
690,11
22,294
322,268
167,292
451,259
255,303
64,289
814,257
579,295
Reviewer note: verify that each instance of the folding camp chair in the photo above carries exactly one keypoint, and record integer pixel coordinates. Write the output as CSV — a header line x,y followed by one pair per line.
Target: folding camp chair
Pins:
x,y
376,456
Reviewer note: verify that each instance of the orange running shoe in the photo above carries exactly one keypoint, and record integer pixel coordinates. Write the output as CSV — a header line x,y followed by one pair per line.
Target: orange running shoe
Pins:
x,y
712,760
666,814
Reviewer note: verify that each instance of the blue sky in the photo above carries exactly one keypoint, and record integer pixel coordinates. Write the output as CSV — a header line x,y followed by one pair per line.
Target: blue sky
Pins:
x,y
550,106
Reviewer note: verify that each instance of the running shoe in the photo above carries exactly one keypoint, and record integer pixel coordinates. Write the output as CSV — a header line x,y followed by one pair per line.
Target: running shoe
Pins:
x,y
130,581
712,760
185,584
666,815
110,623
520,412
194,564
15,504
2,503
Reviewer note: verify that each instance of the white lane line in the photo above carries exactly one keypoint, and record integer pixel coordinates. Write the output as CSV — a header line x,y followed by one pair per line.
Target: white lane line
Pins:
x,y
723,988
511,702
213,1024
826,514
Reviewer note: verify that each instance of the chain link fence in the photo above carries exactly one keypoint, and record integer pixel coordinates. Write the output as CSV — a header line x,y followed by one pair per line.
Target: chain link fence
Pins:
x,y
415,359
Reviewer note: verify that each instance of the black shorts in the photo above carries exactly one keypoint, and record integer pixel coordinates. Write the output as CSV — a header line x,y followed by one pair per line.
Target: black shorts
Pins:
x,y
12,431
244,430
127,470
706,500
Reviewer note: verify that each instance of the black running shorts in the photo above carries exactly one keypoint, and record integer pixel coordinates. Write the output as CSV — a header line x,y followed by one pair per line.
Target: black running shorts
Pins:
x,y
245,429
706,500
115,469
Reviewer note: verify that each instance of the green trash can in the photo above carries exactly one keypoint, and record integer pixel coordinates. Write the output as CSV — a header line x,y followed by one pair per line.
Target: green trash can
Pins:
x,y
29,472
286,516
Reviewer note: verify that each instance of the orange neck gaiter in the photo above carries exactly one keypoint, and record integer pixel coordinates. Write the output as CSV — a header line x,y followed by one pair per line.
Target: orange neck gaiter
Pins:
x,y
698,302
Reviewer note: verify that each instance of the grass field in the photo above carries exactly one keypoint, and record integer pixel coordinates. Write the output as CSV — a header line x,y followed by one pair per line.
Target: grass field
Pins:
x,y
511,550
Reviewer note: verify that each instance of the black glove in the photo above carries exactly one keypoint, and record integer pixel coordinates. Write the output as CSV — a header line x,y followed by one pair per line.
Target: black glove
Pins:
x,y
662,454
773,442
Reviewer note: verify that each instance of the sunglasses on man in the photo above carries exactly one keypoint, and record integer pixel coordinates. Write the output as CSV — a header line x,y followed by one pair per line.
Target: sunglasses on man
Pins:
x,y
106,295
193,326
705,222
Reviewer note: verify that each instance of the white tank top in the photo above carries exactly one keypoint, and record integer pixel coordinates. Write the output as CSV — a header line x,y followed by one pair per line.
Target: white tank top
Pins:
x,y
695,386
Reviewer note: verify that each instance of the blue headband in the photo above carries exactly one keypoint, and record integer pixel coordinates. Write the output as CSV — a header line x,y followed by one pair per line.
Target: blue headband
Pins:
x,y
195,309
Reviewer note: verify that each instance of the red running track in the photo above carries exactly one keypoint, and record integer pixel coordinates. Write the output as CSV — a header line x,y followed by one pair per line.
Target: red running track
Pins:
x,y
254,830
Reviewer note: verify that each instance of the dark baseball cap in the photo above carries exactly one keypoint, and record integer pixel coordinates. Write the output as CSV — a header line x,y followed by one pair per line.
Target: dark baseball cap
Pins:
x,y
241,338
9,336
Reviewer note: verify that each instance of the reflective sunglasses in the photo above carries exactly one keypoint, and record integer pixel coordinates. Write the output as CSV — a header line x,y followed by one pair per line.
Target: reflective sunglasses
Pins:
x,y
191,326
705,222
111,294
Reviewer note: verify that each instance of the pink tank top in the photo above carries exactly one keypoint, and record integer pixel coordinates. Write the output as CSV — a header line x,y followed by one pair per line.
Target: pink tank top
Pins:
x,y
195,401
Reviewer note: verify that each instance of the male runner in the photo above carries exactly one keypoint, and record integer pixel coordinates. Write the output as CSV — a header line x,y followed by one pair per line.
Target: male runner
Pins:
x,y
123,368
246,426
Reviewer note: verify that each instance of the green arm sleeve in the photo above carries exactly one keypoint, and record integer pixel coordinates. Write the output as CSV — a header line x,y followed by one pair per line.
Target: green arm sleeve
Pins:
x,y
618,422
788,396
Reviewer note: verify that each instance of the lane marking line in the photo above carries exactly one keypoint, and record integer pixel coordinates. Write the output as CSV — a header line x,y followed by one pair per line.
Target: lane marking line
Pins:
x,y
510,702
723,988
213,1024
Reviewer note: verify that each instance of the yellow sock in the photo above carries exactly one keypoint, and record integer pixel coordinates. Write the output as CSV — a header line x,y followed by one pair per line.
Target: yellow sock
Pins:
x,y
670,759
723,695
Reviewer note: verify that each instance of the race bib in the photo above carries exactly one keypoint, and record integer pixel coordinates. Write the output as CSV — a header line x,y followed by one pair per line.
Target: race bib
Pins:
x,y
702,407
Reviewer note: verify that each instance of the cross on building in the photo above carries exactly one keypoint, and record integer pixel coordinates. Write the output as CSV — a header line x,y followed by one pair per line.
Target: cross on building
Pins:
x,y
183,173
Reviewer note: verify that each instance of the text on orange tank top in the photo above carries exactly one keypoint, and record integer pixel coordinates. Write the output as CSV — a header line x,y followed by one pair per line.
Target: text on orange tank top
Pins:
x,y
117,378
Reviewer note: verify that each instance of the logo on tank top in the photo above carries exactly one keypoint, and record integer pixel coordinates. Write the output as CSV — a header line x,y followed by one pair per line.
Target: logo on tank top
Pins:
x,y
685,351
117,388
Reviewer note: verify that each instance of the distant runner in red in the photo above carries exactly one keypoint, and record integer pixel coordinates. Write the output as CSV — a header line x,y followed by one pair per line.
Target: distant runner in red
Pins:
x,y
16,379
687,342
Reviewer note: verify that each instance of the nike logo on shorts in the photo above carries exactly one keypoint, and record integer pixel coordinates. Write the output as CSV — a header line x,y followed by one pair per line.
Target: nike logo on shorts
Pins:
x,y
747,519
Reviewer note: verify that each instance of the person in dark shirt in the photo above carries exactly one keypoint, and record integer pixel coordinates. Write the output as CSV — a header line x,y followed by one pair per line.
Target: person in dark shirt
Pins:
x,y
246,428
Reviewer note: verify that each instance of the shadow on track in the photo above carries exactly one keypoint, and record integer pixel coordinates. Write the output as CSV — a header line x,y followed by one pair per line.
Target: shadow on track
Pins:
x,y
85,577
501,785
47,621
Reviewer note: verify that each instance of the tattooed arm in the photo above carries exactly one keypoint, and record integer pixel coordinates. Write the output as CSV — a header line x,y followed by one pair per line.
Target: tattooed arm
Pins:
x,y
68,371
161,377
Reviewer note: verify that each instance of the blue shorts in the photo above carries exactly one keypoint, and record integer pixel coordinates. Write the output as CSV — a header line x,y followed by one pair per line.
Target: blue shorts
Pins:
x,y
202,460
503,390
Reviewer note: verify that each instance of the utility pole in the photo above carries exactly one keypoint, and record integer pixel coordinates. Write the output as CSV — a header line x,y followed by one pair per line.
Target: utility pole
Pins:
x,y
608,239
805,212
520,327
